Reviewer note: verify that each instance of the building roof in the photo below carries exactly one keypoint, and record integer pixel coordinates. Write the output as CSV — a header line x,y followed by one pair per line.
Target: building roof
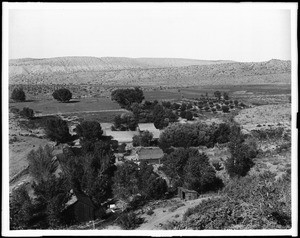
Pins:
x,y
150,153
121,136
151,128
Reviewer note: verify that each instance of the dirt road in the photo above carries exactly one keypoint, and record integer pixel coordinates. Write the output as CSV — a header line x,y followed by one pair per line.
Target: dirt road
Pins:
x,y
163,215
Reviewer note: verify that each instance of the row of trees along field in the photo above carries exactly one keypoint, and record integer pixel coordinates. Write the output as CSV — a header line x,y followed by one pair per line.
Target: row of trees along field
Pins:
x,y
61,95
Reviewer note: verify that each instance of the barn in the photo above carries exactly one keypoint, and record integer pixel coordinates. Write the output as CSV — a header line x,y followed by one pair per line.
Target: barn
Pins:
x,y
151,155
186,194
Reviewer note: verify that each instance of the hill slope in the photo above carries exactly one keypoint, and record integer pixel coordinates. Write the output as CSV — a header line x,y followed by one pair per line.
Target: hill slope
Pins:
x,y
145,71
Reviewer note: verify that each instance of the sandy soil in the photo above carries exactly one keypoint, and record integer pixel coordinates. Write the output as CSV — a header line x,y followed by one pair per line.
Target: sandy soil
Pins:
x,y
162,215
21,143
265,116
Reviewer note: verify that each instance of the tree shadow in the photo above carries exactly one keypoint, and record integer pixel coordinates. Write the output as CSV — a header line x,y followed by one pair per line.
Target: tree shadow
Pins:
x,y
74,101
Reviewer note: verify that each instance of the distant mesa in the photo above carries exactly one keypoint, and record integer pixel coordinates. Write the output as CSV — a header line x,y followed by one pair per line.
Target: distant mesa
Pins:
x,y
145,71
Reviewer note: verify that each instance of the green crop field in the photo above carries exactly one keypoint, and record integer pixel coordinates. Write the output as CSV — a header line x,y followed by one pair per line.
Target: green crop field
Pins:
x,y
75,105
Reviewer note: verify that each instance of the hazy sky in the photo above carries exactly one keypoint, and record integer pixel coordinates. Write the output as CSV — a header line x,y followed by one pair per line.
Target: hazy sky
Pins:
x,y
151,30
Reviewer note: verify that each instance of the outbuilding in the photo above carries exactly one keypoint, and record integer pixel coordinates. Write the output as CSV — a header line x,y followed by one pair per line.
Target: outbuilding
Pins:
x,y
186,194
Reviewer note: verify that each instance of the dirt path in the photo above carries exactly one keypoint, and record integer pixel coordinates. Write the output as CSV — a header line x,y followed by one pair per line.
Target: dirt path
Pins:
x,y
163,215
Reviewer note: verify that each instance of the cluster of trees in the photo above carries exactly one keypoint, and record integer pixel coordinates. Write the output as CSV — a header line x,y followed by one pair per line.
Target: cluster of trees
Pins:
x,y
187,167
132,181
50,194
126,97
88,170
125,122
144,139
161,114
193,135
186,111
218,95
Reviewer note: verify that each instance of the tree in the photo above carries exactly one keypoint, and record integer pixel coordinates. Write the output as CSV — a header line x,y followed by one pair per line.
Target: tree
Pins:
x,y
217,94
126,97
27,112
221,135
20,208
225,96
57,130
199,175
185,135
240,161
62,95
52,195
225,109
189,115
18,95
174,163
40,162
126,121
89,130
144,139
125,181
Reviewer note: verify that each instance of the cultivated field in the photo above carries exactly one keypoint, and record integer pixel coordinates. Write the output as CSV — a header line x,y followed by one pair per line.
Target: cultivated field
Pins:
x,y
46,107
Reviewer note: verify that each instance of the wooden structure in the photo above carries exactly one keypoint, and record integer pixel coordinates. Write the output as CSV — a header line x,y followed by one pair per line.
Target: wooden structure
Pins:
x,y
80,208
186,194
151,155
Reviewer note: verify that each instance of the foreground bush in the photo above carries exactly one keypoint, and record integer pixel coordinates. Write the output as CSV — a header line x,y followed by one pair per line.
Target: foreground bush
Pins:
x,y
20,209
252,202
62,95
129,221
18,95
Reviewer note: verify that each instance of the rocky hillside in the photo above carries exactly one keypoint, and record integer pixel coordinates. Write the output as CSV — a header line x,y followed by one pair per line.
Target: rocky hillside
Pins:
x,y
145,71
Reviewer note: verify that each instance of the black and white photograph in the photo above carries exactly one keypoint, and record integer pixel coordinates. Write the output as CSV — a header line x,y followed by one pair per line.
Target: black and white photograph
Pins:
x,y
149,119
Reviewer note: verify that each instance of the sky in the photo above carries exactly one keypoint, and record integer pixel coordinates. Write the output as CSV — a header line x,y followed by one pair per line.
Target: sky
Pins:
x,y
186,30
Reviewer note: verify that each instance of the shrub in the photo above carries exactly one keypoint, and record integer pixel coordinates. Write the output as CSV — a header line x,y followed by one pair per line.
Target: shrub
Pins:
x,y
14,110
57,130
27,112
150,212
18,95
183,114
62,95
129,221
189,115
225,109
